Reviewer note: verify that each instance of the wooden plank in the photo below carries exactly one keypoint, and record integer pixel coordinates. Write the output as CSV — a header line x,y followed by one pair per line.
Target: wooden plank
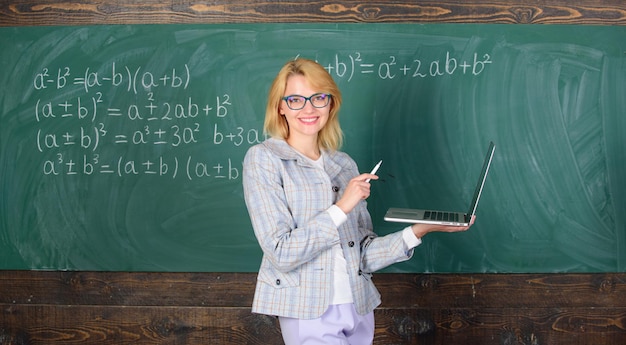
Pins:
x,y
236,289
45,324
91,12
502,290
116,325
500,326
125,288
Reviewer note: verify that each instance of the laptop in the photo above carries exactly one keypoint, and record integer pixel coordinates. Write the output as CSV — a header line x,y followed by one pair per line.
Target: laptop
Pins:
x,y
413,216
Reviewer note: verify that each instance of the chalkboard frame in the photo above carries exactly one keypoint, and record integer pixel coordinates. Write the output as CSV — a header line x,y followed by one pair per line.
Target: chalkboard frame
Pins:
x,y
93,12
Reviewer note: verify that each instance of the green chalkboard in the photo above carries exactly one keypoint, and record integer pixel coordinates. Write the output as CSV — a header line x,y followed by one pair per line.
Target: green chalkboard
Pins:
x,y
122,146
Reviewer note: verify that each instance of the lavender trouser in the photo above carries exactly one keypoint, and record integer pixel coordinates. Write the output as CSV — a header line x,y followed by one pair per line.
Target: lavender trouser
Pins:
x,y
340,325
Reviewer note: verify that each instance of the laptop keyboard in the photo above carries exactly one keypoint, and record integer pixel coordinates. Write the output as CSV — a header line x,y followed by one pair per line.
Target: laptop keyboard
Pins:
x,y
444,216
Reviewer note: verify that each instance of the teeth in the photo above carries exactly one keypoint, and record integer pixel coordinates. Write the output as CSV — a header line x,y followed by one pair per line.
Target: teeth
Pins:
x,y
308,120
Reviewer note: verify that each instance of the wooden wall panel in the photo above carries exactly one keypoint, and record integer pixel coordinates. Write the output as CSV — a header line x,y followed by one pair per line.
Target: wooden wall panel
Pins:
x,y
214,308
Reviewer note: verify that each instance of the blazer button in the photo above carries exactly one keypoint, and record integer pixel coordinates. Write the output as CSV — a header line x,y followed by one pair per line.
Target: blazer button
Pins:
x,y
277,281
360,272
335,189
351,244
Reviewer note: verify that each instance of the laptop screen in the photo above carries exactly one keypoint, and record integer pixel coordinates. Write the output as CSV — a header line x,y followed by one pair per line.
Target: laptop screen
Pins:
x,y
481,181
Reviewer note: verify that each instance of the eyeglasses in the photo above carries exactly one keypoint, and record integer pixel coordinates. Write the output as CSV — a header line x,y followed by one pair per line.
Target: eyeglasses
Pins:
x,y
297,102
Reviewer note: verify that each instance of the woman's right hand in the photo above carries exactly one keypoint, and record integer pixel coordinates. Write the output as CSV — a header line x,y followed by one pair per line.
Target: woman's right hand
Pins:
x,y
358,189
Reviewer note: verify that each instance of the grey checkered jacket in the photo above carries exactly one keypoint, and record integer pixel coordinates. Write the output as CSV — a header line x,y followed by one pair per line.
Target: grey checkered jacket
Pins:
x,y
287,198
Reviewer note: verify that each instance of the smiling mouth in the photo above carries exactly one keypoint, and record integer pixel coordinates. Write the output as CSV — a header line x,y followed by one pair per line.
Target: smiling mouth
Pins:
x,y
309,119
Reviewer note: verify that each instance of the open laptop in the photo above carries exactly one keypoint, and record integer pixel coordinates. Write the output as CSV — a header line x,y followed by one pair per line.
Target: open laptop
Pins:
x,y
404,215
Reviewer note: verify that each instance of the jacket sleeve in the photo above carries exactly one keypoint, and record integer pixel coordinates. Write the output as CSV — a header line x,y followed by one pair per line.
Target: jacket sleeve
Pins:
x,y
284,243
380,252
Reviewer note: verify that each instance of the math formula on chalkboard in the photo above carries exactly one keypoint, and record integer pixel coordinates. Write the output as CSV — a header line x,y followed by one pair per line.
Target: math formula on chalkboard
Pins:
x,y
347,66
78,124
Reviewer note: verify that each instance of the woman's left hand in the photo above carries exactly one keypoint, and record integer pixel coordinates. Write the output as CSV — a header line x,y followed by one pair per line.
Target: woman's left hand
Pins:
x,y
420,230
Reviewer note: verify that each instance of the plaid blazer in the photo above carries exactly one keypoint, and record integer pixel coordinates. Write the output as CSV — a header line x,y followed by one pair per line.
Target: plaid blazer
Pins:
x,y
287,198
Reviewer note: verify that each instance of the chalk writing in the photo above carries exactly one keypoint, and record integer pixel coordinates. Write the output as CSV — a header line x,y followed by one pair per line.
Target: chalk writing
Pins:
x,y
130,78
188,167
91,131
391,67
92,134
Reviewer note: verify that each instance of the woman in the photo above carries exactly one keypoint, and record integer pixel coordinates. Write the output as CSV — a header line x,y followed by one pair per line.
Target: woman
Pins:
x,y
306,201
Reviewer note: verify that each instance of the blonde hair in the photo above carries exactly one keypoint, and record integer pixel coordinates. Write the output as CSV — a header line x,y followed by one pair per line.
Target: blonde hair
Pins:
x,y
331,136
